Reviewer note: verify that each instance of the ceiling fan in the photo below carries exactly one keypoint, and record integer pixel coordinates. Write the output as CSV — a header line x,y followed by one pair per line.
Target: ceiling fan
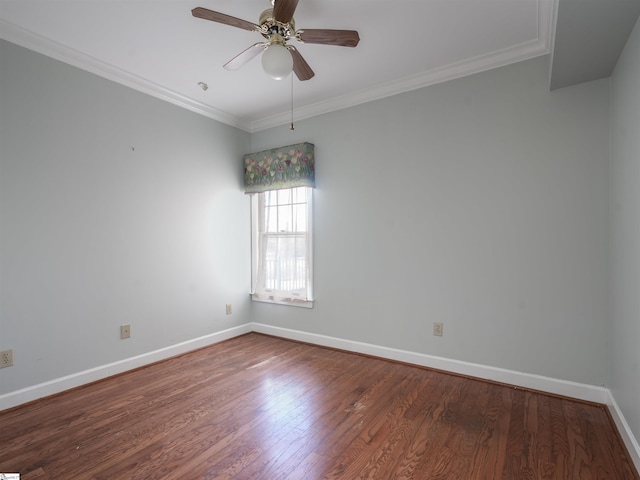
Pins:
x,y
277,26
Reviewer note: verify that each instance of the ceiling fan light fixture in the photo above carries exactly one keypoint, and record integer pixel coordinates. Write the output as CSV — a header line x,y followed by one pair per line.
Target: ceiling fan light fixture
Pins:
x,y
277,26
277,61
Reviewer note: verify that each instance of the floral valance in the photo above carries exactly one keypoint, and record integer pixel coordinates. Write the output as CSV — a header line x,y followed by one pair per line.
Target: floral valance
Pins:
x,y
284,167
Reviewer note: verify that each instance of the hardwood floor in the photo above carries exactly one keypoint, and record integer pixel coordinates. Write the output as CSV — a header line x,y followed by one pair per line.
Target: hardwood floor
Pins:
x,y
258,407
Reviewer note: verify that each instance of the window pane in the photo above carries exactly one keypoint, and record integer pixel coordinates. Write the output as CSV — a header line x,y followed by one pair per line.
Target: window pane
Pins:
x,y
300,218
271,219
300,195
270,198
284,262
284,218
284,196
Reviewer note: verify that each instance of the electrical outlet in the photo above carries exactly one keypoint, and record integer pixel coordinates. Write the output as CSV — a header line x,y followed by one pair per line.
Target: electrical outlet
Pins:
x,y
228,309
125,331
437,329
6,358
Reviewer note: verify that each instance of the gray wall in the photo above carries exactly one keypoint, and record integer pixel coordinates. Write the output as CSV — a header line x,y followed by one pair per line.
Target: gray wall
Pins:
x,y
481,203
115,208
625,233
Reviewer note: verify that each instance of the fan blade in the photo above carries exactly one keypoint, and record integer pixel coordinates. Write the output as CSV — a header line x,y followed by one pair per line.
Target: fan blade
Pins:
x,y
300,66
340,38
207,14
239,60
283,10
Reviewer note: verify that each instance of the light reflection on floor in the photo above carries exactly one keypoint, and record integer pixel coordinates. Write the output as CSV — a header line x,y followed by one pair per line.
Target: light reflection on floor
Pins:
x,y
290,414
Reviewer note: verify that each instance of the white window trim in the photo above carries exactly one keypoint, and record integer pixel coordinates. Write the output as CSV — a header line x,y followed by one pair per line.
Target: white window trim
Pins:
x,y
290,303
255,212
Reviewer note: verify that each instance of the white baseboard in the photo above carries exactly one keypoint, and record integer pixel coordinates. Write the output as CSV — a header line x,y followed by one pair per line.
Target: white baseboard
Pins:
x,y
590,393
13,399
579,391
625,431
546,384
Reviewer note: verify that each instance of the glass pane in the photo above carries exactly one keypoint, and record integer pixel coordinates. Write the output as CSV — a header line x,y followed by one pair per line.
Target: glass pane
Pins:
x,y
284,196
284,263
300,195
270,198
268,261
284,218
300,218
270,219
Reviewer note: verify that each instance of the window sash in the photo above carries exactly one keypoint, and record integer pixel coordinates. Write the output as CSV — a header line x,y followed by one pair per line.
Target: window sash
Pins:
x,y
283,275
282,257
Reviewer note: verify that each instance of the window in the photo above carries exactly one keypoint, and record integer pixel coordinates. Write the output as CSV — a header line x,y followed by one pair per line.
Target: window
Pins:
x,y
281,246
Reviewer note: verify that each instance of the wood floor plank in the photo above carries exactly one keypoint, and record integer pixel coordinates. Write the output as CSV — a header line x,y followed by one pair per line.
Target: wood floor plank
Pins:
x,y
546,462
262,408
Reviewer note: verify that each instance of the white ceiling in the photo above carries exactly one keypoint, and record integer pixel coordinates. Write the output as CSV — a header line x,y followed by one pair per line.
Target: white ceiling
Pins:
x,y
158,47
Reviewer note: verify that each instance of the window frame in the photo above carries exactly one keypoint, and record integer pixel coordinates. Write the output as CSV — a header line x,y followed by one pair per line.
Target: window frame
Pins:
x,y
257,225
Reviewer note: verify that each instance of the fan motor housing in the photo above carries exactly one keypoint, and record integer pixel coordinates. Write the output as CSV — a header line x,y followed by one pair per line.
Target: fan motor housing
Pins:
x,y
270,26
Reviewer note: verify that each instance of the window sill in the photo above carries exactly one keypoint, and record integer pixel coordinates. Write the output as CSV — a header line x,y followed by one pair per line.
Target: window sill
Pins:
x,y
290,303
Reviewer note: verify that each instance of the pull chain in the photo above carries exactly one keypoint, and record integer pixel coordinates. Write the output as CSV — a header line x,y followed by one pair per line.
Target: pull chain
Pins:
x,y
291,127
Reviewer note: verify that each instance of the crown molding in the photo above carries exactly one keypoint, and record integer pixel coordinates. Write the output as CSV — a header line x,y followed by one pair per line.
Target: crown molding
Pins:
x,y
407,84
500,58
32,41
